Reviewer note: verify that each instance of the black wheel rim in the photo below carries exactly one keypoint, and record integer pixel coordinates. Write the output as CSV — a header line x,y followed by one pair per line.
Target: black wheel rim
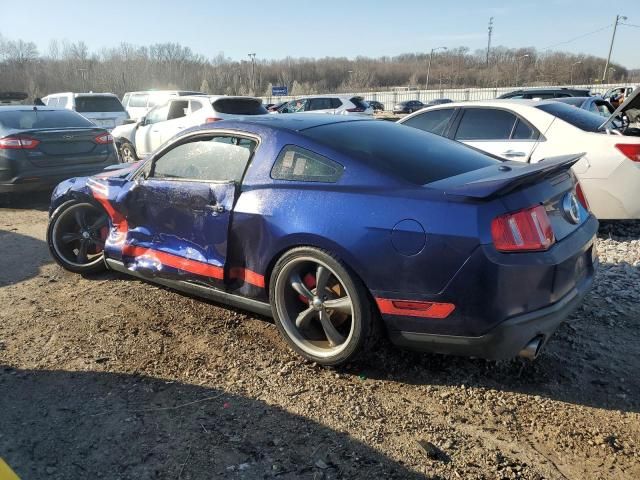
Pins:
x,y
79,234
314,307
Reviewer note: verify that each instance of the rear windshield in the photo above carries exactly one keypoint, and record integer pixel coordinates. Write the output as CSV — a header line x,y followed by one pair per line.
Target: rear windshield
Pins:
x,y
239,106
408,153
98,104
583,119
26,119
359,102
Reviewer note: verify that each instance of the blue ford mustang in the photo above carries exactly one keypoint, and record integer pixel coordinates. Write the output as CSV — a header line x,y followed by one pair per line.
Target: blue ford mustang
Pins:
x,y
343,228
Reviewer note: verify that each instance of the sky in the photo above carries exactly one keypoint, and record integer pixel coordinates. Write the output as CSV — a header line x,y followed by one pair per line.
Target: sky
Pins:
x,y
345,28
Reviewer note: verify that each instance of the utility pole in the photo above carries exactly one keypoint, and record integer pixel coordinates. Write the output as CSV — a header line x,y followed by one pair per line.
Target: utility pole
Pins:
x,y
429,66
252,56
489,41
526,55
613,37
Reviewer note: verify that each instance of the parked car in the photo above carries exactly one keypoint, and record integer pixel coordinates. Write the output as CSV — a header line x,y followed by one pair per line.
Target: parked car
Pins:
x,y
530,131
138,104
333,104
438,101
625,91
377,106
12,98
545,93
595,104
103,109
408,106
421,220
163,122
40,146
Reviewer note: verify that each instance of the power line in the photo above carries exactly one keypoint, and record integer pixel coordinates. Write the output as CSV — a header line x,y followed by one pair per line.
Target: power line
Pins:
x,y
630,25
578,37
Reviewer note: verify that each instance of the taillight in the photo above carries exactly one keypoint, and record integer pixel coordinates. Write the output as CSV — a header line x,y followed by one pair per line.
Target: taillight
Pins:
x,y
212,119
103,139
16,142
523,231
630,150
582,198
358,109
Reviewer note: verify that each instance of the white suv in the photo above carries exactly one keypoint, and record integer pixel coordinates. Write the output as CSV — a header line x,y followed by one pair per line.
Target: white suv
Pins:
x,y
103,109
138,104
138,139
333,104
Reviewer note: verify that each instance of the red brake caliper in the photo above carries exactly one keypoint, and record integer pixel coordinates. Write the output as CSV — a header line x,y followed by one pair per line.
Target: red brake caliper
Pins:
x,y
310,282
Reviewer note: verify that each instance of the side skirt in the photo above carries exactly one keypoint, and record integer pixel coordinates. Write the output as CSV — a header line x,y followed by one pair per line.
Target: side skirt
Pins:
x,y
230,299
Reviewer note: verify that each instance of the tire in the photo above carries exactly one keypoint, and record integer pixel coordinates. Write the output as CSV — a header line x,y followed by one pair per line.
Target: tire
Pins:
x,y
293,291
410,111
76,234
127,152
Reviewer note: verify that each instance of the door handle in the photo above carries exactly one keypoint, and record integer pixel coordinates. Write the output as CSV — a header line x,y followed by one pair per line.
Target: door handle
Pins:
x,y
216,209
513,153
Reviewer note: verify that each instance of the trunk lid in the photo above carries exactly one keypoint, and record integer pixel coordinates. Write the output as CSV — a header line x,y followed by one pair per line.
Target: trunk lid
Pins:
x,y
66,146
517,185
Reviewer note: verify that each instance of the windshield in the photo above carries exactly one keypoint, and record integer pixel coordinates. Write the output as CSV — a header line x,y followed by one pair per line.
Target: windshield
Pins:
x,y
583,119
27,119
98,104
411,154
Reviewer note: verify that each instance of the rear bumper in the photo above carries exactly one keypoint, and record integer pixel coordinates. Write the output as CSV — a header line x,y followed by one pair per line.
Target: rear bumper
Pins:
x,y
40,179
502,301
504,341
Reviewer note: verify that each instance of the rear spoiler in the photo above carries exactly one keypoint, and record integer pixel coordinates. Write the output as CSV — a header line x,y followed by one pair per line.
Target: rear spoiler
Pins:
x,y
500,179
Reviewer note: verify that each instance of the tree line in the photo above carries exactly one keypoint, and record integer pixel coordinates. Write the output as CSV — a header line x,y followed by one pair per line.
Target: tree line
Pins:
x,y
70,66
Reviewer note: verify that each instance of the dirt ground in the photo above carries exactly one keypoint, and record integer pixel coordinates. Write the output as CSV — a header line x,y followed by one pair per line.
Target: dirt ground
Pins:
x,y
113,378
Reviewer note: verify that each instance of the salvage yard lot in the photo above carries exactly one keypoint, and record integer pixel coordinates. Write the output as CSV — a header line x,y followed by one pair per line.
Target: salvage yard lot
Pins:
x,y
110,377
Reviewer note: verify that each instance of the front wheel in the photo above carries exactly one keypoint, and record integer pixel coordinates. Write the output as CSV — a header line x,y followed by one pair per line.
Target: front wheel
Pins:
x,y
128,152
76,234
322,309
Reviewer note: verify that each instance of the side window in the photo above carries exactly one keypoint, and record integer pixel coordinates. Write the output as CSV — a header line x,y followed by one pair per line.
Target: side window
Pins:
x,y
125,100
195,106
177,109
524,132
62,101
319,104
298,164
52,102
561,95
211,159
435,121
485,124
295,106
138,100
158,114
336,103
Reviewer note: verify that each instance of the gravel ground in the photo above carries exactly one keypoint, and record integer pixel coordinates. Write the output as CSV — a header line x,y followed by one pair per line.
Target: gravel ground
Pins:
x,y
110,377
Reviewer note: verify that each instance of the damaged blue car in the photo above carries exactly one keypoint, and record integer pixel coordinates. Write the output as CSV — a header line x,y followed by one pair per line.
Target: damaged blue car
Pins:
x,y
344,229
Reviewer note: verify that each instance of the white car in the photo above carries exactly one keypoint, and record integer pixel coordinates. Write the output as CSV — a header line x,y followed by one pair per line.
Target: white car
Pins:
x,y
333,104
139,139
103,109
138,104
530,131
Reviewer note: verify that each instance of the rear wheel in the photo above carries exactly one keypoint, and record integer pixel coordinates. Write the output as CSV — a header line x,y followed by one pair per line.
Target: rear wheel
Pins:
x,y
321,308
76,234
128,152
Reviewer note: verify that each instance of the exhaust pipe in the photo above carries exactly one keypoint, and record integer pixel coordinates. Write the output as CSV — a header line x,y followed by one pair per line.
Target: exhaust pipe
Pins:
x,y
532,349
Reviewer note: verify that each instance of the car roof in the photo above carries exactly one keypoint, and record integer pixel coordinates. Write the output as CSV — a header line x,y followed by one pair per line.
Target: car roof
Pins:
x,y
496,103
28,108
82,94
290,121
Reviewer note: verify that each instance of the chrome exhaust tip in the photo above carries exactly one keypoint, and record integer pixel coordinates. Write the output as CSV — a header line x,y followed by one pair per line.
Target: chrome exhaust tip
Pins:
x,y
532,349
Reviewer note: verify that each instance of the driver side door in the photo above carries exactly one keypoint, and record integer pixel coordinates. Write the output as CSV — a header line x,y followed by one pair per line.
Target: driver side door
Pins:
x,y
178,212
147,137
